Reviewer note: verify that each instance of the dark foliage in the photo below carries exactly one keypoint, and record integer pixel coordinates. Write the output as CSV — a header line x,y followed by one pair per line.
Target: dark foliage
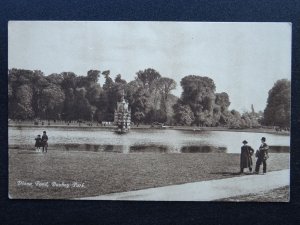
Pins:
x,y
278,109
67,96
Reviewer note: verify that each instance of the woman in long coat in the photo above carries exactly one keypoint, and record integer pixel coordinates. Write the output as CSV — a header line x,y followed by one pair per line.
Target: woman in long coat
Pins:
x,y
246,157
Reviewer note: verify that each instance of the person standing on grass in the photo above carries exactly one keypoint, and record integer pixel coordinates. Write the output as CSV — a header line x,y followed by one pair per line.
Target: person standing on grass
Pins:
x,y
262,155
45,141
38,142
246,157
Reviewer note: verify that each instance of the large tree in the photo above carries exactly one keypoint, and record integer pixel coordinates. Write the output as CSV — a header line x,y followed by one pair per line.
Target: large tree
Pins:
x,y
138,98
51,102
183,114
199,94
83,108
93,76
29,83
222,99
221,115
165,86
278,109
68,85
148,78
23,103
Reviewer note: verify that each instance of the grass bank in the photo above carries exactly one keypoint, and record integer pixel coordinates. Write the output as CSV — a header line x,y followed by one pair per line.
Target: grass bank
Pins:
x,y
102,173
276,195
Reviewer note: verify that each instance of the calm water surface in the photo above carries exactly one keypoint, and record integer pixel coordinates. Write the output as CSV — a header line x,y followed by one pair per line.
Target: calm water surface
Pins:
x,y
146,140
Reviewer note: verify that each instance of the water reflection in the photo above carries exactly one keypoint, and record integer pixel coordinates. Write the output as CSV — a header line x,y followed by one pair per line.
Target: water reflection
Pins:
x,y
145,140
144,148
279,149
137,148
149,149
202,149
89,147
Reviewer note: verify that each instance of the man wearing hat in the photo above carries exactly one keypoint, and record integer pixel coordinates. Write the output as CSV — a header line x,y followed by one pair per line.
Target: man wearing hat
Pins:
x,y
44,141
246,157
262,156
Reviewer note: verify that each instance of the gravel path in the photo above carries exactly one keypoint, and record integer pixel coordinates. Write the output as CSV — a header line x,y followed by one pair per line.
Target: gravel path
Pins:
x,y
206,190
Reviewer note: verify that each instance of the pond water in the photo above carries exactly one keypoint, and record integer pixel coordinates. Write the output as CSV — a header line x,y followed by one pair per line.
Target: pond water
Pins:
x,y
145,140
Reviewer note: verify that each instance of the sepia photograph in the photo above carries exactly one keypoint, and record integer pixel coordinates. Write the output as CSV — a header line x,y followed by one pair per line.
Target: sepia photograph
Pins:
x,y
149,111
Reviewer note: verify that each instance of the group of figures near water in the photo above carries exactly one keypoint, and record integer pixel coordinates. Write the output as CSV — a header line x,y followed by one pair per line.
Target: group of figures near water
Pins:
x,y
261,154
41,143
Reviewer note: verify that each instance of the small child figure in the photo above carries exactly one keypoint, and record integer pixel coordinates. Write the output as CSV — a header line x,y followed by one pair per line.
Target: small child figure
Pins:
x,y
38,143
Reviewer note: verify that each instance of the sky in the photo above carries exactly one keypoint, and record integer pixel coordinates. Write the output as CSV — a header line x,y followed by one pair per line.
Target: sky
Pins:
x,y
243,59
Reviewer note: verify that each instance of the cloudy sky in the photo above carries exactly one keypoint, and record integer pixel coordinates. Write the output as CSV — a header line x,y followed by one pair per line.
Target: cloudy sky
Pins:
x,y
243,59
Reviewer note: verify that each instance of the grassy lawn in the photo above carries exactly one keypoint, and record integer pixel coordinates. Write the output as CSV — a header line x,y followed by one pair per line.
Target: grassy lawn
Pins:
x,y
276,195
104,173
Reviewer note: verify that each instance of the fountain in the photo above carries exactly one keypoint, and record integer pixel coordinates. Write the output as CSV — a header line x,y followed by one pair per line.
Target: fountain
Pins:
x,y
122,116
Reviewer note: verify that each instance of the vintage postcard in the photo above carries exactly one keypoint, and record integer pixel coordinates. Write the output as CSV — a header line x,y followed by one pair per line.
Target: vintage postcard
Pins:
x,y
150,111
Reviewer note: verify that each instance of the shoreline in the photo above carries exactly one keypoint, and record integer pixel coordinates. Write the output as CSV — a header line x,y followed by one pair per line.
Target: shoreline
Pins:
x,y
145,127
102,148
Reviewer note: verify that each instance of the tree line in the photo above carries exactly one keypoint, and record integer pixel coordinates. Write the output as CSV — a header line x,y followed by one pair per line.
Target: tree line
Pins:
x,y
67,96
